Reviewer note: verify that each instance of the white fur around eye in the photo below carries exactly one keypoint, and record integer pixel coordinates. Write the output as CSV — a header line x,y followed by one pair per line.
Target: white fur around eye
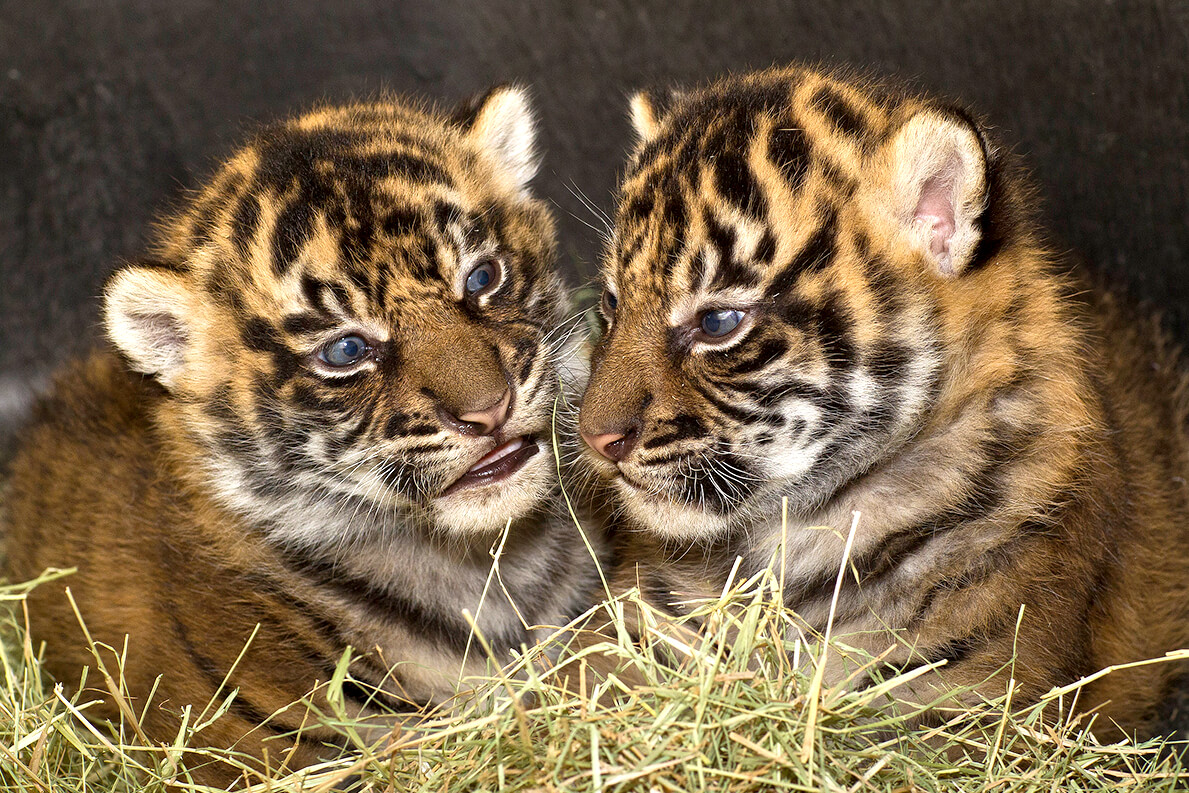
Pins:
x,y
687,313
468,261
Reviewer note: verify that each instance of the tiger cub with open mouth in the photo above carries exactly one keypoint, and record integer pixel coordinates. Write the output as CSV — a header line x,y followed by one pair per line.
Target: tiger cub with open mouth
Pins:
x,y
834,293
331,396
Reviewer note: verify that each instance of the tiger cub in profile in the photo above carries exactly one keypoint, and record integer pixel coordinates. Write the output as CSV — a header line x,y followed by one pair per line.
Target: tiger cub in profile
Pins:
x,y
835,293
331,397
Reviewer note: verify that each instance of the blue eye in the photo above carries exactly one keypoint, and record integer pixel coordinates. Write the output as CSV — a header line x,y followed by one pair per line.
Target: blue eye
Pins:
x,y
346,351
610,301
481,277
721,322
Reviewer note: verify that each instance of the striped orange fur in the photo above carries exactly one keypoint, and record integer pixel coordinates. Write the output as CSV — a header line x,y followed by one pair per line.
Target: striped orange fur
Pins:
x,y
834,292
330,395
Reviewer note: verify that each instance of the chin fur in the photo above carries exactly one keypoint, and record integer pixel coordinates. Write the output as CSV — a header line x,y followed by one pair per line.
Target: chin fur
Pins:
x,y
486,510
669,519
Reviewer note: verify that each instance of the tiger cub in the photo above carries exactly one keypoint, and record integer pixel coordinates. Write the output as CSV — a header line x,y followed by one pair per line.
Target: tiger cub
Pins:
x,y
835,293
330,399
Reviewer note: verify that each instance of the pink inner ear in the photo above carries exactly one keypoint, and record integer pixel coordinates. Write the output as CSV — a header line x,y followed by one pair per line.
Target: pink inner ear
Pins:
x,y
935,209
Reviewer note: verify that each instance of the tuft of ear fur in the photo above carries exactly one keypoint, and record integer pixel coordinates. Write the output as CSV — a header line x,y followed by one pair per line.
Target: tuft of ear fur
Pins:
x,y
647,109
145,313
501,123
645,116
939,187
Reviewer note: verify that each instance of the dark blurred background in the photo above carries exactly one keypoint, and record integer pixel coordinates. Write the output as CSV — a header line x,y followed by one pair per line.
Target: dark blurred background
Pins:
x,y
111,109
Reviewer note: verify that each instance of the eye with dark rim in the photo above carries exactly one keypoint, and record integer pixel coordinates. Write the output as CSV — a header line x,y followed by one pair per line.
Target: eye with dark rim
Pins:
x,y
610,303
718,324
483,278
345,351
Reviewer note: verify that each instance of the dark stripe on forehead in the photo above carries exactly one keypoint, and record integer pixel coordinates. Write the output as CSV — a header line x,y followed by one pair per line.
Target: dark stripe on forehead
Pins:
x,y
293,229
328,296
244,223
205,218
399,222
818,251
638,207
306,323
838,111
400,163
788,149
732,173
766,248
674,215
721,236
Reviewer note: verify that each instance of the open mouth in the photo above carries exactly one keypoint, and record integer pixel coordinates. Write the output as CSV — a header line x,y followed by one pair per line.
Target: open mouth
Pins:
x,y
497,465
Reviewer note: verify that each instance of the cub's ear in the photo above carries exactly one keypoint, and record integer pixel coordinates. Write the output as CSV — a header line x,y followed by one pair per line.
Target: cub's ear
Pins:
x,y
645,116
501,122
938,173
146,314
646,111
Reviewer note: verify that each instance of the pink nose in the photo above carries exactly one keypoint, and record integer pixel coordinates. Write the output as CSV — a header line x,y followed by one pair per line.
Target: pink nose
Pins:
x,y
480,422
612,445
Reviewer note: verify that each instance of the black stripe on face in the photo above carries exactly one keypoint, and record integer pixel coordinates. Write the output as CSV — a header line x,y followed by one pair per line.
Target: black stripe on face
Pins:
x,y
407,164
294,226
525,350
788,150
766,248
818,251
637,209
308,397
307,322
838,112
674,216
259,336
730,272
735,181
726,408
721,236
697,270
244,223
343,437
888,363
399,222
682,427
402,425
327,296
833,324
770,351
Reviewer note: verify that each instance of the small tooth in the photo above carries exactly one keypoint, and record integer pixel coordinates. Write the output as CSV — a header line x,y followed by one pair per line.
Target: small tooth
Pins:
x,y
495,455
